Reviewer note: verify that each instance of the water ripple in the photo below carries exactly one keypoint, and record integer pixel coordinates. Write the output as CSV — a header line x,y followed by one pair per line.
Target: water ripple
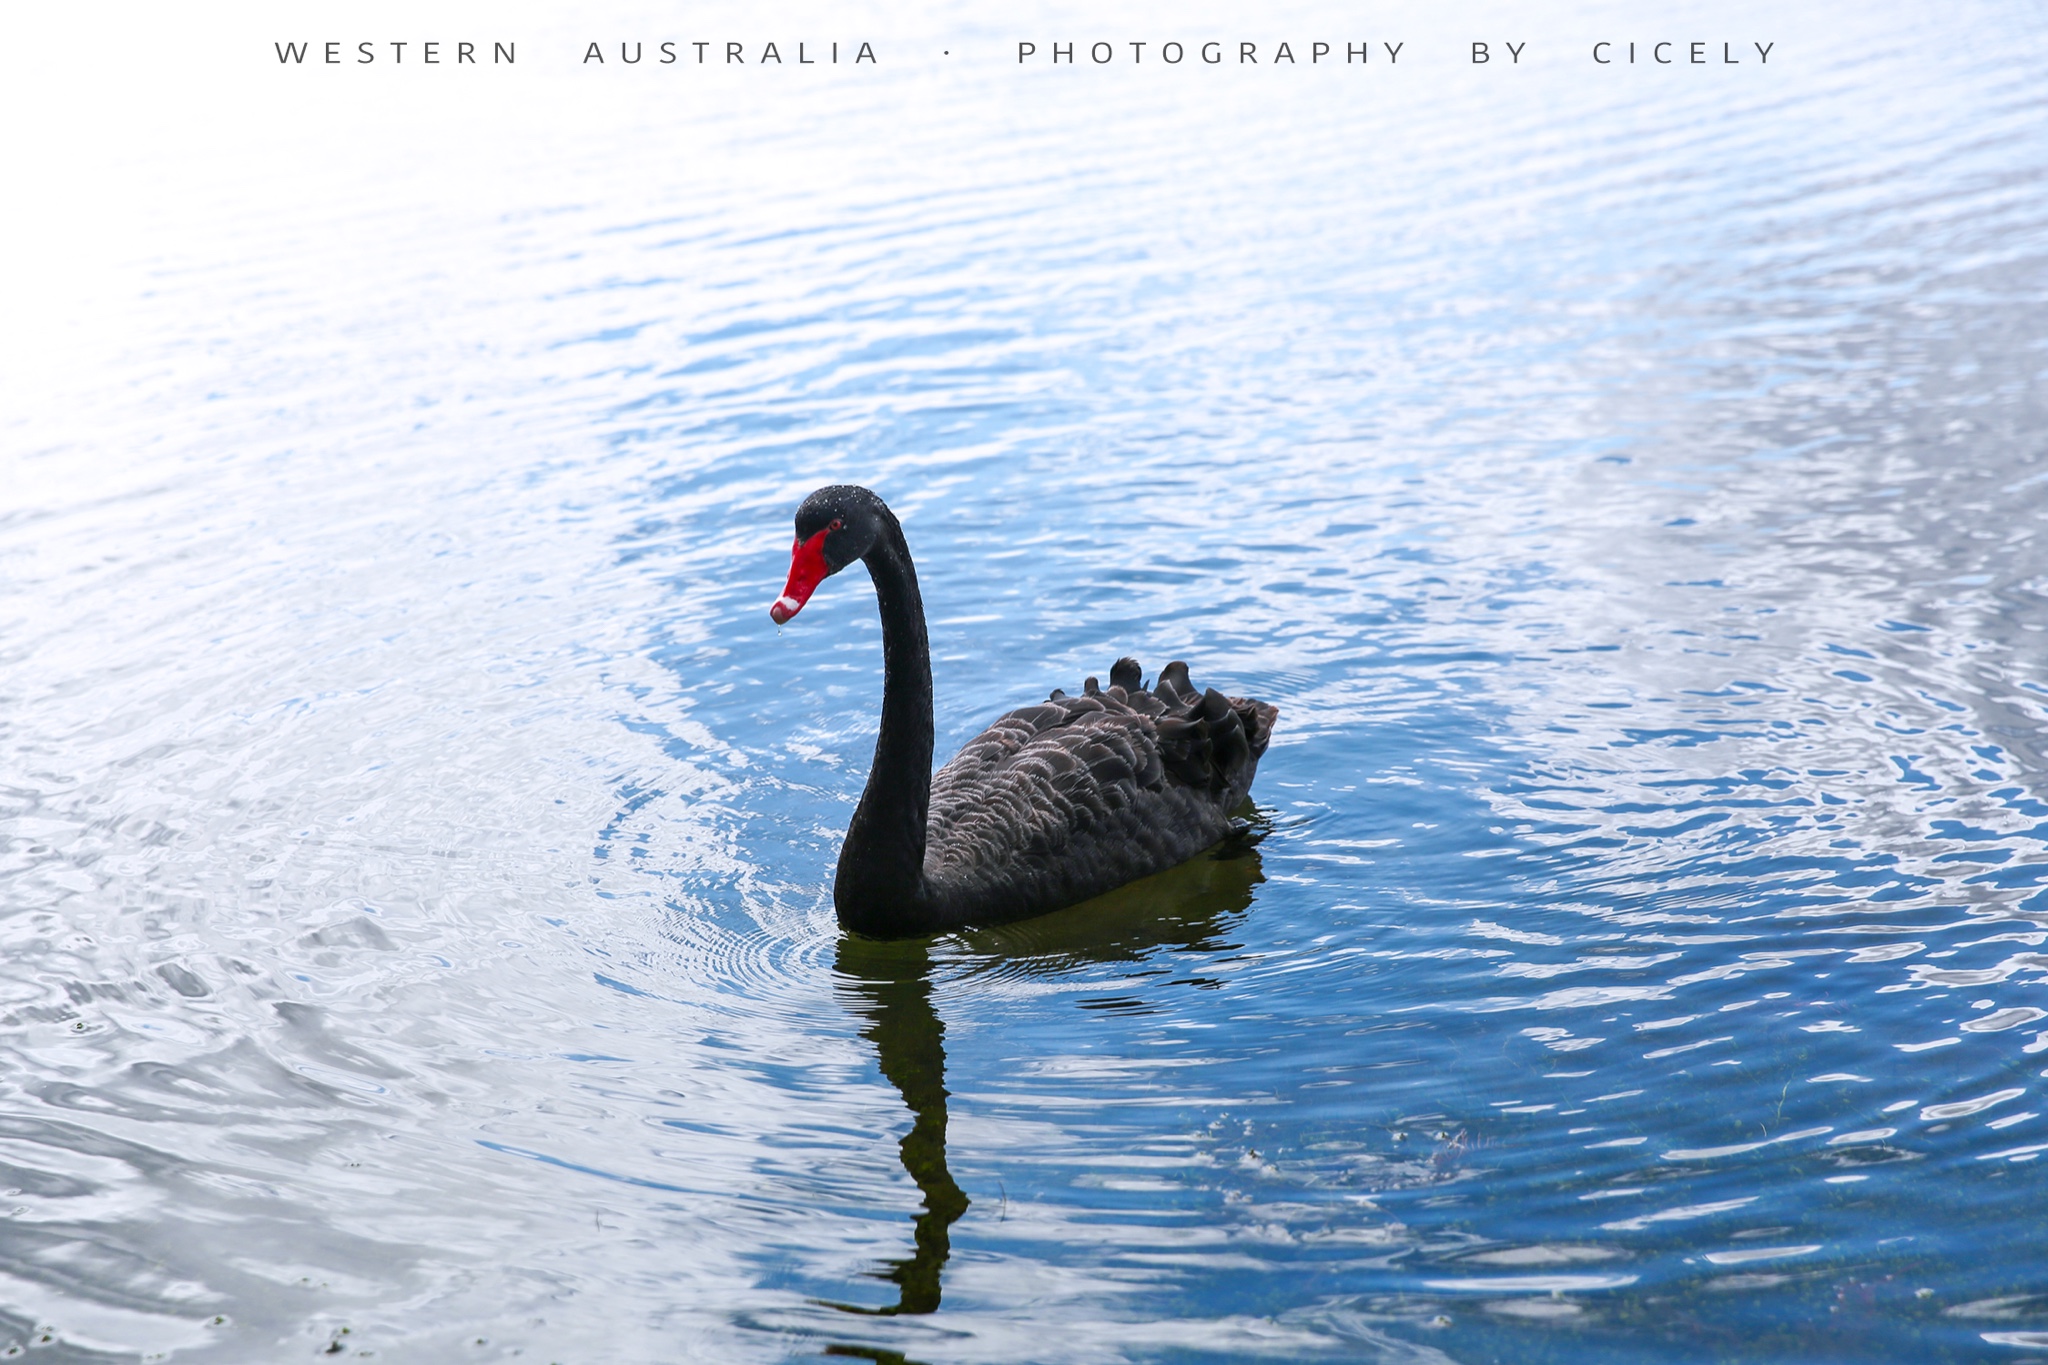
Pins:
x,y
416,844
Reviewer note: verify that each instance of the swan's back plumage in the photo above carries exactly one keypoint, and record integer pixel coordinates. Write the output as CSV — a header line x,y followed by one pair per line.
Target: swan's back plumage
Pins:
x,y
1073,797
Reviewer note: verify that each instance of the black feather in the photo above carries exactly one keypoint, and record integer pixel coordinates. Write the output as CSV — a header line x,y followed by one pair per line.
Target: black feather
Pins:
x,y
1075,796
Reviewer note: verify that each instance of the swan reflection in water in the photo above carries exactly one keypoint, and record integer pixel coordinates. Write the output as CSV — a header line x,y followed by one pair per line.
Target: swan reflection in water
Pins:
x,y
889,984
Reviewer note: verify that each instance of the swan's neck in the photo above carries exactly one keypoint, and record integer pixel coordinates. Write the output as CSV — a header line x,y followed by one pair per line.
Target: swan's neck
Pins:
x,y
880,888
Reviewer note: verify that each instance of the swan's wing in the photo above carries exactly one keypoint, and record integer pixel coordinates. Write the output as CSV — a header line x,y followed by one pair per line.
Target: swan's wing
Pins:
x,y
1080,794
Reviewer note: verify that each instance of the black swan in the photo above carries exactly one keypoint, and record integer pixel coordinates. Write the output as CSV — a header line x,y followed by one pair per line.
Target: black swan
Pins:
x,y
1050,805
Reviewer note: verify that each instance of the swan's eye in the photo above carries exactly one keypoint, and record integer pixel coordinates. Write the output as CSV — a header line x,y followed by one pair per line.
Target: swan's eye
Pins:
x,y
836,525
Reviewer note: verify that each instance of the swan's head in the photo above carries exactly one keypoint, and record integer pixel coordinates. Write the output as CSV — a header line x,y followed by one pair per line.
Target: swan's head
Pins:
x,y
834,527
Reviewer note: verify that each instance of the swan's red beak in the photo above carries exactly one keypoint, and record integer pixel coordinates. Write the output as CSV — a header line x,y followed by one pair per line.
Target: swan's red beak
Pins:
x,y
806,571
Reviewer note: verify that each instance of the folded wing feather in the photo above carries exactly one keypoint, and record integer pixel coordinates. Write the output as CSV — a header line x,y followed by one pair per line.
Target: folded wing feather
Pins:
x,y
1089,792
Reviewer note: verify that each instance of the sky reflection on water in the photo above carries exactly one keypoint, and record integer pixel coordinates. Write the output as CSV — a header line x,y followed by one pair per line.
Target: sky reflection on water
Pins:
x,y
417,842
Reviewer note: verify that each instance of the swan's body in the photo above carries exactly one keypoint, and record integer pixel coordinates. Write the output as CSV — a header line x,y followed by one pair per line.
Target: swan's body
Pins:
x,y
1052,804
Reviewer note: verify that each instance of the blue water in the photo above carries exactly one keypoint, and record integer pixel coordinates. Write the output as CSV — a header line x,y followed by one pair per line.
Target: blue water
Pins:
x,y
418,840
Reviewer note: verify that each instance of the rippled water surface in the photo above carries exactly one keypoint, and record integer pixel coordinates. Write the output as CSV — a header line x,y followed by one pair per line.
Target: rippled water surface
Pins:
x,y
1629,485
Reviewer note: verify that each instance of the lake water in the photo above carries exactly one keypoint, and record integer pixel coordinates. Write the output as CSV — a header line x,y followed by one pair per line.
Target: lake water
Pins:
x,y
1628,483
